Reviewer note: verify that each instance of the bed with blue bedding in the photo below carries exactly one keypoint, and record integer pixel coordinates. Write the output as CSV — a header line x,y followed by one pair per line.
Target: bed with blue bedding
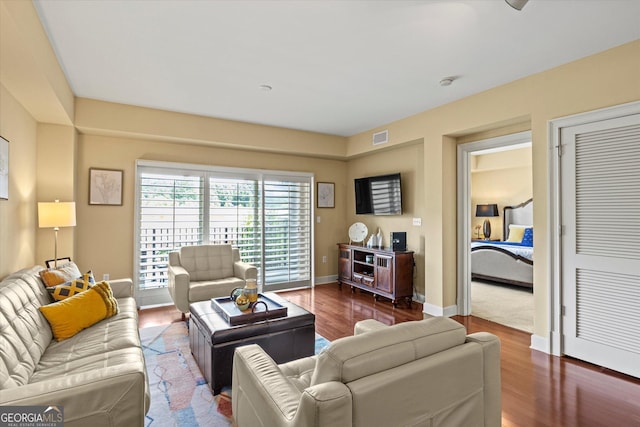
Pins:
x,y
511,261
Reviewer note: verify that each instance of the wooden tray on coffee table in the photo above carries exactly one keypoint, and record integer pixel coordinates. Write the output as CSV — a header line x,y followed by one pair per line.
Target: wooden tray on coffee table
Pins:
x,y
230,312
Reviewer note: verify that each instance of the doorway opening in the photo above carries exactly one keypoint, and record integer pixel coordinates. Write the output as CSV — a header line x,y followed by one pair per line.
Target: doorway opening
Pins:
x,y
493,174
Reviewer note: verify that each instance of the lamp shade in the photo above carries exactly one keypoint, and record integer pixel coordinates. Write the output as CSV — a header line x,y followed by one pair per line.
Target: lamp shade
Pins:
x,y
56,214
487,210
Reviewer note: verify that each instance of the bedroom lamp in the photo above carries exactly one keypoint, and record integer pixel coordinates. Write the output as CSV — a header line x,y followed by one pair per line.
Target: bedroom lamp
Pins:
x,y
490,210
55,215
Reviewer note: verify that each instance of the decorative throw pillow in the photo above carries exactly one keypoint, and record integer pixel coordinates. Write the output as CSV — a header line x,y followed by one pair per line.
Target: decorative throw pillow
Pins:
x,y
70,316
63,273
515,233
69,289
527,238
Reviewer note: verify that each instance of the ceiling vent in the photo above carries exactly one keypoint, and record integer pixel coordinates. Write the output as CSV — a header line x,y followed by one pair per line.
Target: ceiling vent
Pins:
x,y
381,137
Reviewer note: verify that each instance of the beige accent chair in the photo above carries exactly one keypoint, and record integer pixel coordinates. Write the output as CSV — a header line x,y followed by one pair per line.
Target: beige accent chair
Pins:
x,y
420,373
198,273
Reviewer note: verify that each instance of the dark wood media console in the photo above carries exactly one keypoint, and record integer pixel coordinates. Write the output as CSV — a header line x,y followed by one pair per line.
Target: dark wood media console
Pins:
x,y
380,271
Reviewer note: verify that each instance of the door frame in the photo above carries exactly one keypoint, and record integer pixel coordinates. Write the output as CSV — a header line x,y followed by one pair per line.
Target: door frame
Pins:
x,y
554,205
465,151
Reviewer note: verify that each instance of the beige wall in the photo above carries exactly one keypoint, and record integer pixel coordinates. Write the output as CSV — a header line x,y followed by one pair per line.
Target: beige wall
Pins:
x,y
33,93
106,118
29,67
504,178
105,239
18,220
56,157
408,160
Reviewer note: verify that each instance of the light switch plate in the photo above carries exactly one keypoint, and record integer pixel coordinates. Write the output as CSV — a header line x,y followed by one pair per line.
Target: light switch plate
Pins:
x,y
417,221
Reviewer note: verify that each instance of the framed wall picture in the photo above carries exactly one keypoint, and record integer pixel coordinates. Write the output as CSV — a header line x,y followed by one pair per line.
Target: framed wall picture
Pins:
x,y
4,169
105,187
326,195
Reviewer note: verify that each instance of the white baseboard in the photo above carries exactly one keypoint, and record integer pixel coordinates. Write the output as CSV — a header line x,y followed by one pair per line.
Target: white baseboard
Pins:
x,y
436,310
166,304
540,343
322,280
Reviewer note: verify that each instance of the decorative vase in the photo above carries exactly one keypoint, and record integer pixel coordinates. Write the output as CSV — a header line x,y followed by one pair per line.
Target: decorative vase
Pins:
x,y
379,239
251,290
486,229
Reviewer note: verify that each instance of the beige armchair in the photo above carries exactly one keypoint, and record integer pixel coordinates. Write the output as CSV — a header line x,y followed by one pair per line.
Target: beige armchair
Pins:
x,y
198,273
421,373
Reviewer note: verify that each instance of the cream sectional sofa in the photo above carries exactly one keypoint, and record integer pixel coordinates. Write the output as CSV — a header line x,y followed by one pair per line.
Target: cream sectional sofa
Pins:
x,y
421,373
98,376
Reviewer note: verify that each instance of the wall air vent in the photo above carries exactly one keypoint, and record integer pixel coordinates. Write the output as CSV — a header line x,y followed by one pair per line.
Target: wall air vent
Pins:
x,y
381,137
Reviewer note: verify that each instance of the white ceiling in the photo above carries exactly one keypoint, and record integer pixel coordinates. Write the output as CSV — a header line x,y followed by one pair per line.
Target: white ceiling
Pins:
x,y
336,67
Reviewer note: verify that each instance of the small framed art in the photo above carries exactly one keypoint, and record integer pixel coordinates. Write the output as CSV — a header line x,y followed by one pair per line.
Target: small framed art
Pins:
x,y
105,187
326,195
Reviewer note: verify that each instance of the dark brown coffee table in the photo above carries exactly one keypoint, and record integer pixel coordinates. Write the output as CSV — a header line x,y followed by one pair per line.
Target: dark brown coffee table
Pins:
x,y
213,341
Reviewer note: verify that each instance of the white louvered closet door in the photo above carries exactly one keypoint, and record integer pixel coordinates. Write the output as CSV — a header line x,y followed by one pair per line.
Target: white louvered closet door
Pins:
x,y
600,197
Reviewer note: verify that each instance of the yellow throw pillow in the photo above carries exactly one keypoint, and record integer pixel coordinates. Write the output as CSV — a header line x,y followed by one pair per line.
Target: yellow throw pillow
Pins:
x,y
70,316
69,289
515,233
64,273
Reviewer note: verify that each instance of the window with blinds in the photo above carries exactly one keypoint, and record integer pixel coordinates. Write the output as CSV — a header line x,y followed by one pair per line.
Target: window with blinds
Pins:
x,y
287,236
170,216
267,216
235,215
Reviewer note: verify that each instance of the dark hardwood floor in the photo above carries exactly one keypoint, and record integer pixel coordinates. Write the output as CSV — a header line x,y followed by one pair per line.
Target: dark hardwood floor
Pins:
x,y
537,389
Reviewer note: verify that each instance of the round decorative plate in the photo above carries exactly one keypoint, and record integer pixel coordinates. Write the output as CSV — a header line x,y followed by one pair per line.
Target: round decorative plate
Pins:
x,y
358,231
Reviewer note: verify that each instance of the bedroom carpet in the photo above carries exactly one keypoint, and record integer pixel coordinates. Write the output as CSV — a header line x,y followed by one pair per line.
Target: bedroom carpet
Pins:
x,y
508,305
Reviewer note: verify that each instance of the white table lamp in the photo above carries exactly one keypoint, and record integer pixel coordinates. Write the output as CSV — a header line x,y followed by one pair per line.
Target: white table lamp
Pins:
x,y
55,215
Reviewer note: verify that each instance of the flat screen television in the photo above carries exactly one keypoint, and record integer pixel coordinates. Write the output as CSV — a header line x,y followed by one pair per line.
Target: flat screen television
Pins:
x,y
379,195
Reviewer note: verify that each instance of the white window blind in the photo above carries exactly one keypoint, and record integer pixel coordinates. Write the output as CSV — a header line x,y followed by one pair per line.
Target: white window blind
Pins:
x,y
170,216
287,241
235,215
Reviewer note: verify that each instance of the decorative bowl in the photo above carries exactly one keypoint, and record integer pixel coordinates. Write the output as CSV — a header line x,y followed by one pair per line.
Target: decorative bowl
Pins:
x,y
242,302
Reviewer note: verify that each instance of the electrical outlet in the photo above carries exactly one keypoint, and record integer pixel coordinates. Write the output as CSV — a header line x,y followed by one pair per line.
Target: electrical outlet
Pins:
x,y
324,259
105,276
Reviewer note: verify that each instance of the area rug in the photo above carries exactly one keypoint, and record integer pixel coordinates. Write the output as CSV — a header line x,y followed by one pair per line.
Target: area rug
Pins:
x,y
180,395
508,305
